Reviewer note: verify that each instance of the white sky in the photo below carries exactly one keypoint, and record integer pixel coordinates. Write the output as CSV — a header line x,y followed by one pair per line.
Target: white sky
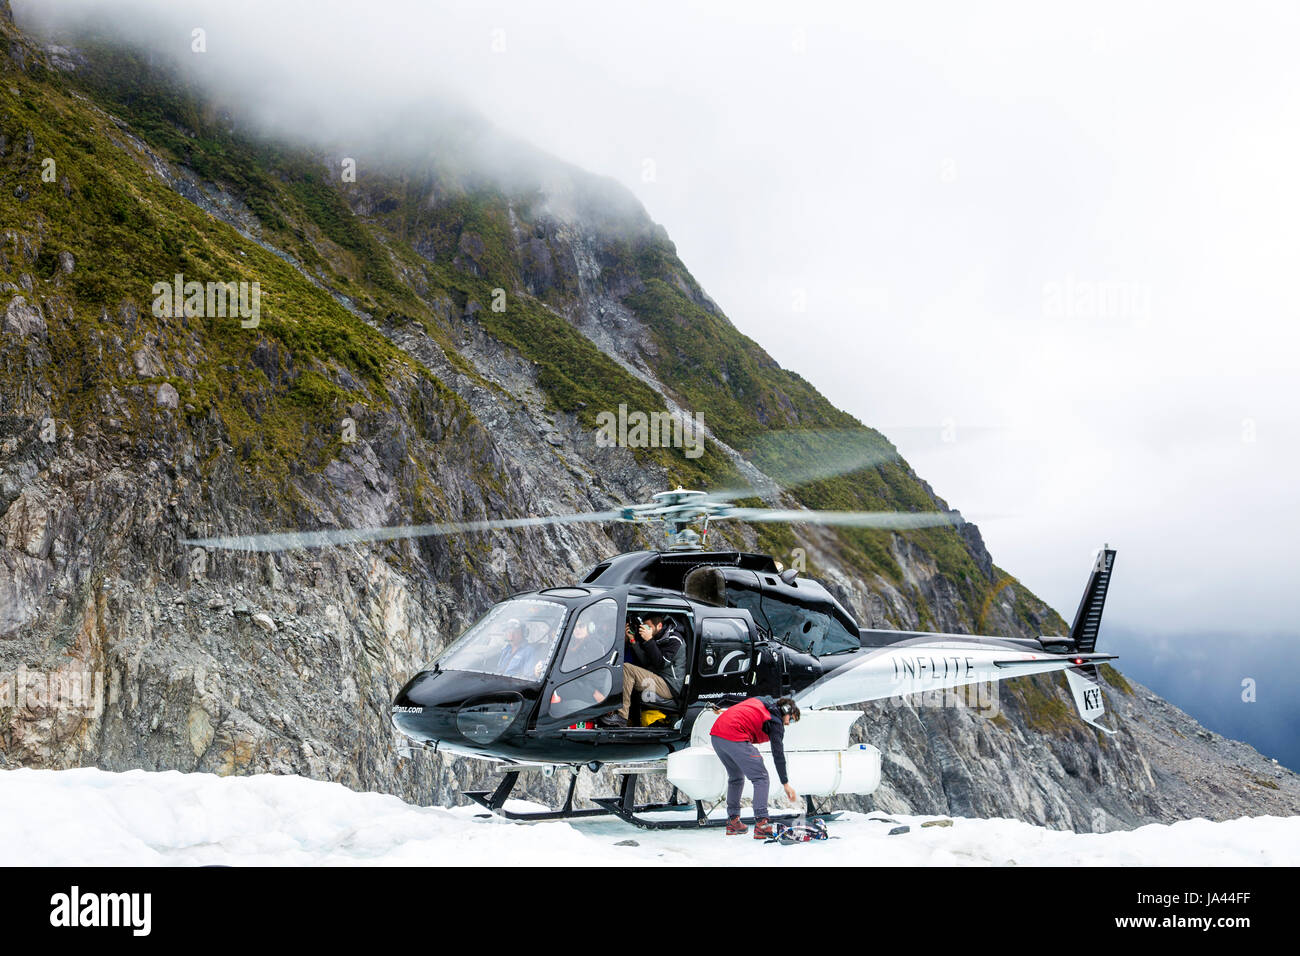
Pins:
x,y
1066,234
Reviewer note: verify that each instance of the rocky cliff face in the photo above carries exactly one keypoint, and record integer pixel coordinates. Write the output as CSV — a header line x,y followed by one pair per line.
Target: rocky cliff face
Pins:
x,y
428,347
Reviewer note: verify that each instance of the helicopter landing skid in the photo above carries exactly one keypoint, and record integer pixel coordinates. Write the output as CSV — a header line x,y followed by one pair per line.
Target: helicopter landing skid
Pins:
x,y
624,806
494,801
631,814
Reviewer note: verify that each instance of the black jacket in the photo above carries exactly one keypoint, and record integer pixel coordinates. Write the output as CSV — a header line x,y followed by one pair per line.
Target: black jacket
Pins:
x,y
665,655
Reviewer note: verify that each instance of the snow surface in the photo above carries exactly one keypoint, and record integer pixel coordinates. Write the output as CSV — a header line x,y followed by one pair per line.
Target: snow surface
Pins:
x,y
92,817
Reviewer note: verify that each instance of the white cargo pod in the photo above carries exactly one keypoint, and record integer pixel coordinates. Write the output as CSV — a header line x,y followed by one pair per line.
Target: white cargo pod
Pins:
x,y
819,759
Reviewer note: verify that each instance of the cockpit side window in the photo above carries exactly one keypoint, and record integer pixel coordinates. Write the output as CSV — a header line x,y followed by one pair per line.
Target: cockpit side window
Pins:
x,y
582,692
747,600
805,629
813,632
594,635
792,625
837,639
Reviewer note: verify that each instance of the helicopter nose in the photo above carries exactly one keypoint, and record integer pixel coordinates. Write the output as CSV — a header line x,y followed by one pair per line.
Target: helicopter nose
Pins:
x,y
452,707
420,714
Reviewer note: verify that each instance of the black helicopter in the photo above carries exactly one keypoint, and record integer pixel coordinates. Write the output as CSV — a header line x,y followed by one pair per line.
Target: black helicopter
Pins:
x,y
528,684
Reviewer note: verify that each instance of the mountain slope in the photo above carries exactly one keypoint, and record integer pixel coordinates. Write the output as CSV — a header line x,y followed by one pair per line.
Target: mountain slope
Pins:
x,y
380,385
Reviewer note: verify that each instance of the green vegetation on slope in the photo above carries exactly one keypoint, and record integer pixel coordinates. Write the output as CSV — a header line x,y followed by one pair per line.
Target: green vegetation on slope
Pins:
x,y
126,230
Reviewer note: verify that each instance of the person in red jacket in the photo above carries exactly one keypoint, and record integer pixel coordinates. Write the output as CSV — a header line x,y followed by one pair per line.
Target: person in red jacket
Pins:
x,y
753,721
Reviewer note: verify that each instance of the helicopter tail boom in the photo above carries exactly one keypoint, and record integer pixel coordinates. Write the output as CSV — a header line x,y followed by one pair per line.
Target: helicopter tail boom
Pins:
x,y
914,661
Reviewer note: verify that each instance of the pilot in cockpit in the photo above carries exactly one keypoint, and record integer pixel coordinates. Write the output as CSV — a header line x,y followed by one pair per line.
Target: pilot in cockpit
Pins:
x,y
519,658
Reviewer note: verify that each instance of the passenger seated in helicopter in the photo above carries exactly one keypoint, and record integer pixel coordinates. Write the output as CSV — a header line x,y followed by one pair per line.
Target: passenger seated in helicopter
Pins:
x,y
659,650
594,638
587,642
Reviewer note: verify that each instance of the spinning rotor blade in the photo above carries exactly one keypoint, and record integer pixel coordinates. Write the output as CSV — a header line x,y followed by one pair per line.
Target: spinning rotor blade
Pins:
x,y
287,540
788,458
895,520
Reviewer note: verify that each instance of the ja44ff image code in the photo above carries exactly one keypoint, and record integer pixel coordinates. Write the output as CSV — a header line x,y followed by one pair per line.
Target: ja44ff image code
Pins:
x,y
131,904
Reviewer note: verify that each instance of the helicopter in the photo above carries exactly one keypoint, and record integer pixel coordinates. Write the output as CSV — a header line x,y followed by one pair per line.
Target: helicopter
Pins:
x,y
527,685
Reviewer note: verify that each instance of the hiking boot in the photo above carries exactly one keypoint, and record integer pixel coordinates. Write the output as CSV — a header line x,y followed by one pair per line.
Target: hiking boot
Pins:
x,y
612,720
762,829
735,827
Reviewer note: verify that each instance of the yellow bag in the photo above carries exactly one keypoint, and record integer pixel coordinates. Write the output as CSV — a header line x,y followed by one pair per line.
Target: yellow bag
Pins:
x,y
651,717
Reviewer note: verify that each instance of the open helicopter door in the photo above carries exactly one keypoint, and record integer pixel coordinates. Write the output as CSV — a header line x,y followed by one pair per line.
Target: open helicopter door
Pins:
x,y
587,674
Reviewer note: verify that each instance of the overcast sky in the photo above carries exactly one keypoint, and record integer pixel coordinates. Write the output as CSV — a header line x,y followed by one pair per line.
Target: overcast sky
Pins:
x,y
1050,251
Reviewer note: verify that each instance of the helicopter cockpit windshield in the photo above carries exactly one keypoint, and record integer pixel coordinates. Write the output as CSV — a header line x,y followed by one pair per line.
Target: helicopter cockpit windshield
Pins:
x,y
514,639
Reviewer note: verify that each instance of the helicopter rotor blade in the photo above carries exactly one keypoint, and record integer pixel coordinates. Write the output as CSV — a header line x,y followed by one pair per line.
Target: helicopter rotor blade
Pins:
x,y
289,540
892,520
787,458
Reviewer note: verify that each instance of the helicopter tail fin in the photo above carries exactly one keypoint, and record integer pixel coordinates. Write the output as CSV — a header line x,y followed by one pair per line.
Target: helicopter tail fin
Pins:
x,y
1085,680
1087,620
1085,685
